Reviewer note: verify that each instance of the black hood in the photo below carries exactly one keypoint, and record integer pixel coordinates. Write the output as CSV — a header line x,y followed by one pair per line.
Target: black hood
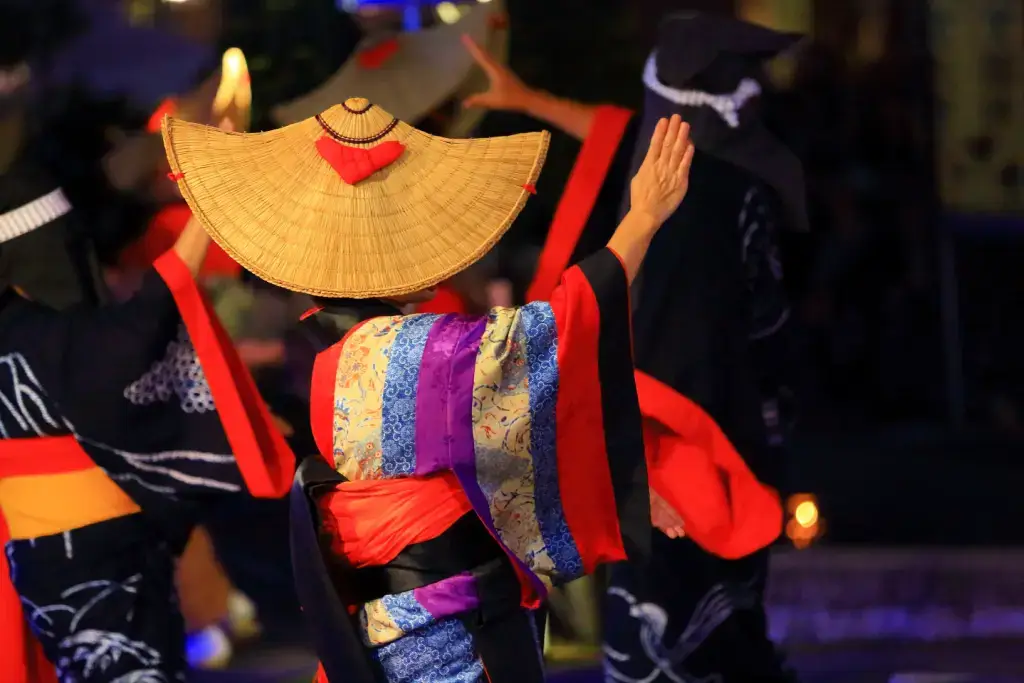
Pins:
x,y
44,252
708,68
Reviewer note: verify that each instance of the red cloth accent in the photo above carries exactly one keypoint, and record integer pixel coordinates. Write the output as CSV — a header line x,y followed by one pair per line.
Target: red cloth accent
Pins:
x,y
21,654
163,231
168,107
447,300
588,174
695,468
311,312
175,177
264,459
376,56
532,189
358,163
588,498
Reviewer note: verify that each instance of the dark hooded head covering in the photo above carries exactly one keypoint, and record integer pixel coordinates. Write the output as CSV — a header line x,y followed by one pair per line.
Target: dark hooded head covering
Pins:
x,y
42,251
709,69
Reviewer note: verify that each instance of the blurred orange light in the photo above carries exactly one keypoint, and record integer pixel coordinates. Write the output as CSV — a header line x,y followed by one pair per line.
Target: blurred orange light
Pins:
x,y
806,514
805,524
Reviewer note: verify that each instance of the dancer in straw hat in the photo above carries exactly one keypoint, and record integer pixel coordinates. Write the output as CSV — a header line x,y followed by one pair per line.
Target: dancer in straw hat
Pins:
x,y
710,327
469,463
118,425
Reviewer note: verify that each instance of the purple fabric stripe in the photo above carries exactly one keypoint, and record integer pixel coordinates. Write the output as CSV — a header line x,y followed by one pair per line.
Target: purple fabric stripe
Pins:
x,y
458,420
442,370
449,597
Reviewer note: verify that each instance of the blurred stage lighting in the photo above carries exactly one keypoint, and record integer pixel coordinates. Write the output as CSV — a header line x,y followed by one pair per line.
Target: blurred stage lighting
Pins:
x,y
448,12
804,524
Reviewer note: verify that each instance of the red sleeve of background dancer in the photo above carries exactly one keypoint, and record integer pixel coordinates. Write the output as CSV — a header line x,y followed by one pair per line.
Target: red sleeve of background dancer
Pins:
x,y
601,469
578,198
695,468
266,462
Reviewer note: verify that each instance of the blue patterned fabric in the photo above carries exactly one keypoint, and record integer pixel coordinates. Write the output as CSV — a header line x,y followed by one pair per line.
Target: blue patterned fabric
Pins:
x,y
541,340
398,428
442,652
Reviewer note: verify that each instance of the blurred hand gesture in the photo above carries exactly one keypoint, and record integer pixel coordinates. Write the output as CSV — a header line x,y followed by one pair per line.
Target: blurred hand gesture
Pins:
x,y
661,183
665,518
506,91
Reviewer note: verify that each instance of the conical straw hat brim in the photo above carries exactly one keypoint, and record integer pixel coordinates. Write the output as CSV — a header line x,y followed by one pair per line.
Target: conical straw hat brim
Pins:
x,y
272,203
428,68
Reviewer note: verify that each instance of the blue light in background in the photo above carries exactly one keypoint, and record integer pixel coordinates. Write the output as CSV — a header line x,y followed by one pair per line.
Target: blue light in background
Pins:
x,y
411,18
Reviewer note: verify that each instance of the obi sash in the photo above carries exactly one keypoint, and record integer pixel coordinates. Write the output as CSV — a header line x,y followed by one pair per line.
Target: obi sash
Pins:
x,y
465,569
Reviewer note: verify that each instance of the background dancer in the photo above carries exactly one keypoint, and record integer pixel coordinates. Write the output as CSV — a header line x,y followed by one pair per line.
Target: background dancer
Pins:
x,y
138,428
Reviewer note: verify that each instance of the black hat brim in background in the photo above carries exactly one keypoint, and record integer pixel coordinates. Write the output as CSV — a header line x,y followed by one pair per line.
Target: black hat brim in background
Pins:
x,y
689,42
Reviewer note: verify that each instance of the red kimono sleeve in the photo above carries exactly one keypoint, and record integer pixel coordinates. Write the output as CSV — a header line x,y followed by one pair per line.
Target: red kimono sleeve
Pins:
x,y
264,458
695,468
599,440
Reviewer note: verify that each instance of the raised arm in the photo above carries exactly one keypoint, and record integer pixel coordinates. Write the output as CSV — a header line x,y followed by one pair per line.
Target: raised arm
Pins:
x,y
508,93
655,193
192,245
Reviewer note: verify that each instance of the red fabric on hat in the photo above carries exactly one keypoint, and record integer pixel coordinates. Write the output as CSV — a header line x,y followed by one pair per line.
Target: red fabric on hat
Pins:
x,y
354,164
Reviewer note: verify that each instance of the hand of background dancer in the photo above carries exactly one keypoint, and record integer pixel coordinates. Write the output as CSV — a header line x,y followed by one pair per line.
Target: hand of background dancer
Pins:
x,y
655,193
664,517
506,92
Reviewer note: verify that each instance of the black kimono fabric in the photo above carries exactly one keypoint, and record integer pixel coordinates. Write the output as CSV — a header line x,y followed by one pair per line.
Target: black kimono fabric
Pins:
x,y
124,382
709,319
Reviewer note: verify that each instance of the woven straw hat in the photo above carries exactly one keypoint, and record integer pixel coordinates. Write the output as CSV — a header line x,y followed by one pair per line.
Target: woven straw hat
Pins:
x,y
353,202
413,73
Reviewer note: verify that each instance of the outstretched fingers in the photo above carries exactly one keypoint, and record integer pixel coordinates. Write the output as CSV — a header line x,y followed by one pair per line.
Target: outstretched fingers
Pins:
x,y
481,57
683,169
657,141
679,142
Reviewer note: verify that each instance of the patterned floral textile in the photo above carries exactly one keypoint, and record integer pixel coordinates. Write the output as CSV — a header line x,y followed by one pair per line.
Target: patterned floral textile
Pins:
x,y
101,601
507,452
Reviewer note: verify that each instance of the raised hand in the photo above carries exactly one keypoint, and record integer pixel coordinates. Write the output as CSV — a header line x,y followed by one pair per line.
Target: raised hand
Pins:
x,y
661,183
506,92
